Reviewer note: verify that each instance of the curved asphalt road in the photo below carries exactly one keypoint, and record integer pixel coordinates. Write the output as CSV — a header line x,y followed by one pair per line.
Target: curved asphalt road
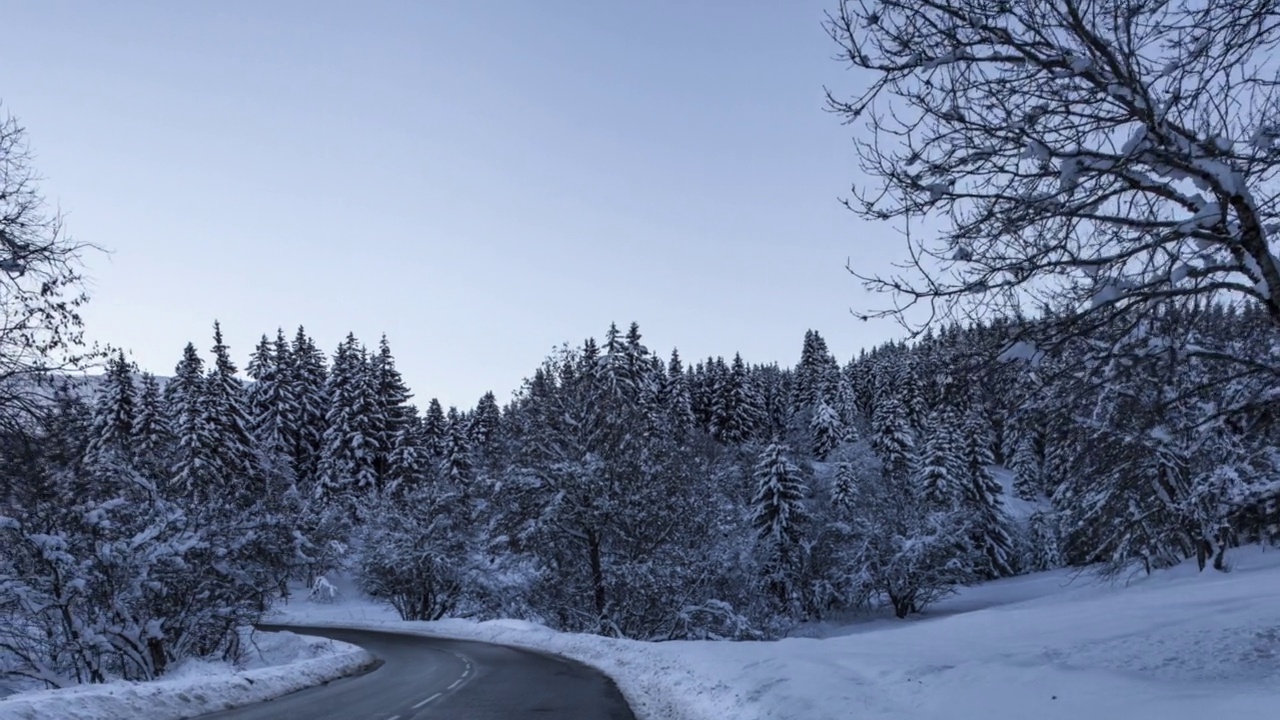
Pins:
x,y
436,679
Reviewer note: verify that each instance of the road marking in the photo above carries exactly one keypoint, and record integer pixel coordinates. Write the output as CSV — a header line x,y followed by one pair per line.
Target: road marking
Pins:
x,y
455,683
424,702
394,717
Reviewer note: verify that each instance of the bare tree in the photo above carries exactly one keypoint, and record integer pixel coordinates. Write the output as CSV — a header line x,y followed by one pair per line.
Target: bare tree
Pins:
x,y
1093,163
40,284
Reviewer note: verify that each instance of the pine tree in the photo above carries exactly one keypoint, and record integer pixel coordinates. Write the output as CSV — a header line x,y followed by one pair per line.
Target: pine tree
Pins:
x,y
1044,550
844,490
272,409
982,495
456,465
827,430
196,463
434,429
408,466
391,399
816,375
702,386
485,425
676,395
308,382
347,461
892,438
111,437
778,516
737,410
935,463
227,418
152,433
1027,466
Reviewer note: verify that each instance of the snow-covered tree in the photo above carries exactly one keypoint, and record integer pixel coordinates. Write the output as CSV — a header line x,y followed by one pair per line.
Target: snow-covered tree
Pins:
x,y
827,430
414,552
115,416
844,488
308,383
391,402
778,516
346,468
273,410
1068,162
434,429
227,421
457,464
484,427
152,433
196,462
981,495
891,435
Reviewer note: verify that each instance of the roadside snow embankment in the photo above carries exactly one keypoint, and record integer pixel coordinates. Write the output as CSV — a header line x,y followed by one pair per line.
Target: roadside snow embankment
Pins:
x,y
277,664
1178,645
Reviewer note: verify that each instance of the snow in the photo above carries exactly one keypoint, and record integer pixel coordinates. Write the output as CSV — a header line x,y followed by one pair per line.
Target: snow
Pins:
x,y
277,664
1178,645
1015,507
1022,350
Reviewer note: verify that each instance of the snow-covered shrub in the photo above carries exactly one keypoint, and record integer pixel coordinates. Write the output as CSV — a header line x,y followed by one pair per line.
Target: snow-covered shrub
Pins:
x,y
120,587
412,553
1042,550
713,620
911,554
323,591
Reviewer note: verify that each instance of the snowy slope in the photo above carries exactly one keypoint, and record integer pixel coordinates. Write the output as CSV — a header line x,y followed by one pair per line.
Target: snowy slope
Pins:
x,y
1016,507
278,663
1180,645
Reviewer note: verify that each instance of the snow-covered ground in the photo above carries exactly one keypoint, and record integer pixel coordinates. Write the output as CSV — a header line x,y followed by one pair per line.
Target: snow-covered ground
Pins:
x,y
276,664
1179,645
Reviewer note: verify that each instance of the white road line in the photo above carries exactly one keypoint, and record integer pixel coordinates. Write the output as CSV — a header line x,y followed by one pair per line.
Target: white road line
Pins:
x,y
455,683
424,702
394,717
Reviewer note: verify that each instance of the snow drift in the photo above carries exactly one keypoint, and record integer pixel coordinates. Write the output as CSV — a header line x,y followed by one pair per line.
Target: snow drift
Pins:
x,y
292,663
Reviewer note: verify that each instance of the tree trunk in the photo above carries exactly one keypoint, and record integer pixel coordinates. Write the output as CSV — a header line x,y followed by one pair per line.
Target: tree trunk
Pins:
x,y
597,572
159,661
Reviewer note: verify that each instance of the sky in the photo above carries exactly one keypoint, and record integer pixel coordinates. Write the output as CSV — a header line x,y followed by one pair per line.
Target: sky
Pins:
x,y
481,181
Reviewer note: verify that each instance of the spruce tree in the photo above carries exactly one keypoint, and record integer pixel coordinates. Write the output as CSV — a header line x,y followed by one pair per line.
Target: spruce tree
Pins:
x,y
347,461
392,414
272,409
826,429
152,433
111,437
408,465
778,516
892,438
933,474
737,412
484,426
844,488
227,418
434,427
196,462
678,398
1027,465
308,381
456,464
982,496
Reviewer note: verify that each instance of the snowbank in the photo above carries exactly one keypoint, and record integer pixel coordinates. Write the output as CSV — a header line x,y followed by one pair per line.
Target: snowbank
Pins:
x,y
279,663
1180,645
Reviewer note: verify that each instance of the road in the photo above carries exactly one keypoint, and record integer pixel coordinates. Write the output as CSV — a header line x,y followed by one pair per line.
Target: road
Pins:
x,y
436,679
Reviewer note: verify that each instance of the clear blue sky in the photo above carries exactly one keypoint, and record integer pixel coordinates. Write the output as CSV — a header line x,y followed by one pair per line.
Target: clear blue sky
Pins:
x,y
479,180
